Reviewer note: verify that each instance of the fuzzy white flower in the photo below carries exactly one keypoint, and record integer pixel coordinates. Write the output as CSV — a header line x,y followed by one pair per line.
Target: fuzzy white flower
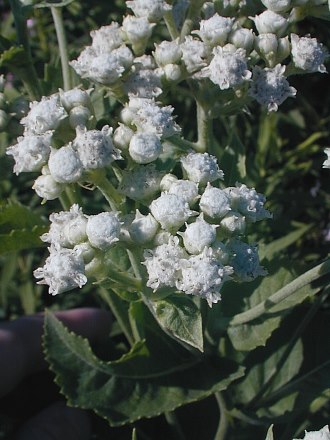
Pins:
x,y
214,202
308,54
122,136
95,147
137,30
277,5
167,52
202,275
31,152
153,10
198,235
322,434
171,211
242,38
245,260
271,22
74,98
64,165
64,270
248,202
227,69
103,229
145,147
143,83
270,87
186,189
152,118
326,163
47,188
107,38
194,54
67,228
201,168
44,115
141,183
143,228
215,30
163,264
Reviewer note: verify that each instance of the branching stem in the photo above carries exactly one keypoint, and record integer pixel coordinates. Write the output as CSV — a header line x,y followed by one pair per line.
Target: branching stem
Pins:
x,y
62,44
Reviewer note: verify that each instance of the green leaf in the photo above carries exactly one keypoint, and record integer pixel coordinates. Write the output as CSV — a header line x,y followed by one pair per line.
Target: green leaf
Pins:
x,y
20,228
270,435
128,389
255,333
179,315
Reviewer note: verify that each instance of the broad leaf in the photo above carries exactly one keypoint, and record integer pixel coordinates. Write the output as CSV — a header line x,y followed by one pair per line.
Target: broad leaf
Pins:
x,y
179,316
130,388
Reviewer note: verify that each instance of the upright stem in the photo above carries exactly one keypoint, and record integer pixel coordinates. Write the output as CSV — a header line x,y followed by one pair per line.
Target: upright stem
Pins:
x,y
223,423
62,44
110,193
170,24
204,129
192,13
304,279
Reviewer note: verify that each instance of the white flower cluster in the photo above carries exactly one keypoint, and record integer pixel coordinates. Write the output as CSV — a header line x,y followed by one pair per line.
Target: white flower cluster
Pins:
x,y
75,239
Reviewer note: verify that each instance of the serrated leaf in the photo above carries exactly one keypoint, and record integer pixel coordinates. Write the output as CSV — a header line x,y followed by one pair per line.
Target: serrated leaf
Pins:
x,y
112,389
180,316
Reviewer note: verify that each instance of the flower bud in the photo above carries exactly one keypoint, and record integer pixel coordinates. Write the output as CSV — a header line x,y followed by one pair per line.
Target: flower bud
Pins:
x,y
233,223
277,5
122,136
272,49
270,22
79,116
137,31
65,165
143,228
145,147
75,98
214,202
103,229
172,72
47,188
167,52
167,181
242,38
198,235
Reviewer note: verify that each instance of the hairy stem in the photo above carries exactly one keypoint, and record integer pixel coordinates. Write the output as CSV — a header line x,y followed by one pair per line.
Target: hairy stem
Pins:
x,y
223,422
170,24
304,279
204,127
62,44
172,420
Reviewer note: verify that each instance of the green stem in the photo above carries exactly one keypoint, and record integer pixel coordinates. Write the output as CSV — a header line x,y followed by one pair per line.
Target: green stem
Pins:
x,y
62,44
181,143
110,193
172,420
304,279
170,24
193,12
223,422
204,127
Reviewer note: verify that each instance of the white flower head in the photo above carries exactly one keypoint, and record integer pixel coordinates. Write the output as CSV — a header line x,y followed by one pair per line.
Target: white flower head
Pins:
x,y
242,38
44,115
271,22
271,48
74,98
308,54
322,434
227,69
171,211
31,152
137,30
163,264
215,30
122,136
326,163
194,54
65,165
202,275
107,38
141,183
245,260
198,235
143,228
201,168
270,87
47,188
167,52
150,117
214,202
233,223
63,226
186,189
95,147
143,83
103,230
277,5
248,202
64,270
145,147
153,10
